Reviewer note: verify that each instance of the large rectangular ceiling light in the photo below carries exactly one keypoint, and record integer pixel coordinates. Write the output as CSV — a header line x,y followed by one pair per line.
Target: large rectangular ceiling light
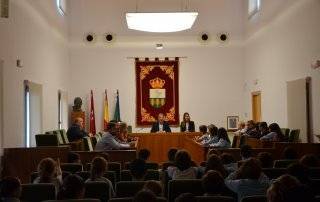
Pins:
x,y
161,22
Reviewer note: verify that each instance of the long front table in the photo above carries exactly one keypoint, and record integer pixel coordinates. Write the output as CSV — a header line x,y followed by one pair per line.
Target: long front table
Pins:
x,y
160,143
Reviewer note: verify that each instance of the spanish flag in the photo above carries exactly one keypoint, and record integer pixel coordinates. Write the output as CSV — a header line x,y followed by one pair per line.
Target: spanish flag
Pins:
x,y
105,111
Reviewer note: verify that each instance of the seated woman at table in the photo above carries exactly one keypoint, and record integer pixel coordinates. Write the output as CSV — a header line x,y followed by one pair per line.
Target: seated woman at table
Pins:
x,y
187,125
274,134
224,141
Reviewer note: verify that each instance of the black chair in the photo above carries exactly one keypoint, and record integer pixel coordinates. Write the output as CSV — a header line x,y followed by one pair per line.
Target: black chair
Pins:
x,y
130,199
177,187
214,199
150,175
128,188
116,167
71,167
274,173
84,175
34,175
315,185
314,173
47,140
98,190
152,166
37,192
254,199
111,175
284,163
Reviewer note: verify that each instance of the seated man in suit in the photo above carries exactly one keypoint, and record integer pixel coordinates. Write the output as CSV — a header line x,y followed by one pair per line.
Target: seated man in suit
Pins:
x,y
76,131
161,125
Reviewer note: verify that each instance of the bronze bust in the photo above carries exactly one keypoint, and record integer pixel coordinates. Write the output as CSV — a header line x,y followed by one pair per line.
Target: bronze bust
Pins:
x,y
77,104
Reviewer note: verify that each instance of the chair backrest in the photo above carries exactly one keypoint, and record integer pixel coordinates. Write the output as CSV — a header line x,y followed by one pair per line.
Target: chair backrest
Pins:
x,y
285,132
47,140
130,199
75,200
116,167
274,173
314,173
125,175
152,166
128,188
177,187
71,167
294,135
34,175
60,138
315,185
98,190
254,199
37,192
150,175
64,136
283,163
214,199
87,144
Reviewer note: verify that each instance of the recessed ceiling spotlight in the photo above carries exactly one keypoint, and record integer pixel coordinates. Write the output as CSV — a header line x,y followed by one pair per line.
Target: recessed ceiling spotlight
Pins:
x,y
159,46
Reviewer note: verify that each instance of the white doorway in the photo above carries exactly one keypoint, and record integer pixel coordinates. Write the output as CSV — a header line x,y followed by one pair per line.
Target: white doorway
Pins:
x,y
33,112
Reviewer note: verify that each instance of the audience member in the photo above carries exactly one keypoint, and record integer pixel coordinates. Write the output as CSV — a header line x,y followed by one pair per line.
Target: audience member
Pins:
x,y
144,196
153,186
275,133
205,136
213,131
212,151
248,180
300,172
263,129
310,160
186,197
171,154
183,167
251,129
72,188
123,132
241,128
110,140
214,163
290,153
104,155
10,189
224,141
161,125
73,157
49,172
144,154
213,183
228,162
99,167
138,169
266,159
287,188
76,131
245,152
187,125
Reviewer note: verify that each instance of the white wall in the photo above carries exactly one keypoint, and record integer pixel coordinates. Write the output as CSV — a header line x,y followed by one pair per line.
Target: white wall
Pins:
x,y
30,37
283,51
211,79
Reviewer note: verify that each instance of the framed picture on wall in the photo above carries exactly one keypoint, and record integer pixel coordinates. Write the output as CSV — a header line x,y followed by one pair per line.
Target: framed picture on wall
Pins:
x,y
232,123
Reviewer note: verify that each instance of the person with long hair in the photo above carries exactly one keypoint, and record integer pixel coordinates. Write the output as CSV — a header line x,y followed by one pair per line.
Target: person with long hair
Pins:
x,y
183,167
99,167
224,141
214,163
187,125
274,134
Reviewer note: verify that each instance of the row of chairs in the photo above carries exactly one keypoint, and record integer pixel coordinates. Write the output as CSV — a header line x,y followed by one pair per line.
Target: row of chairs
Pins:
x,y
291,135
99,190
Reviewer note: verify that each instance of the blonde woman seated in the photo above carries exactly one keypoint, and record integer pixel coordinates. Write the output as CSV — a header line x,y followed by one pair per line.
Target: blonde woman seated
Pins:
x,y
49,172
183,167
224,141
98,169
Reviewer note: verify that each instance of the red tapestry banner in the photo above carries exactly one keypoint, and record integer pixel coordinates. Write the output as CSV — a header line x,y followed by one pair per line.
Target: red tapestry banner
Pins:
x,y
157,91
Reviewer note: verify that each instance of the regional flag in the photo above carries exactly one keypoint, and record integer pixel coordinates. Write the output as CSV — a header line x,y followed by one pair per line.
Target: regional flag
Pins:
x,y
92,117
116,116
105,111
